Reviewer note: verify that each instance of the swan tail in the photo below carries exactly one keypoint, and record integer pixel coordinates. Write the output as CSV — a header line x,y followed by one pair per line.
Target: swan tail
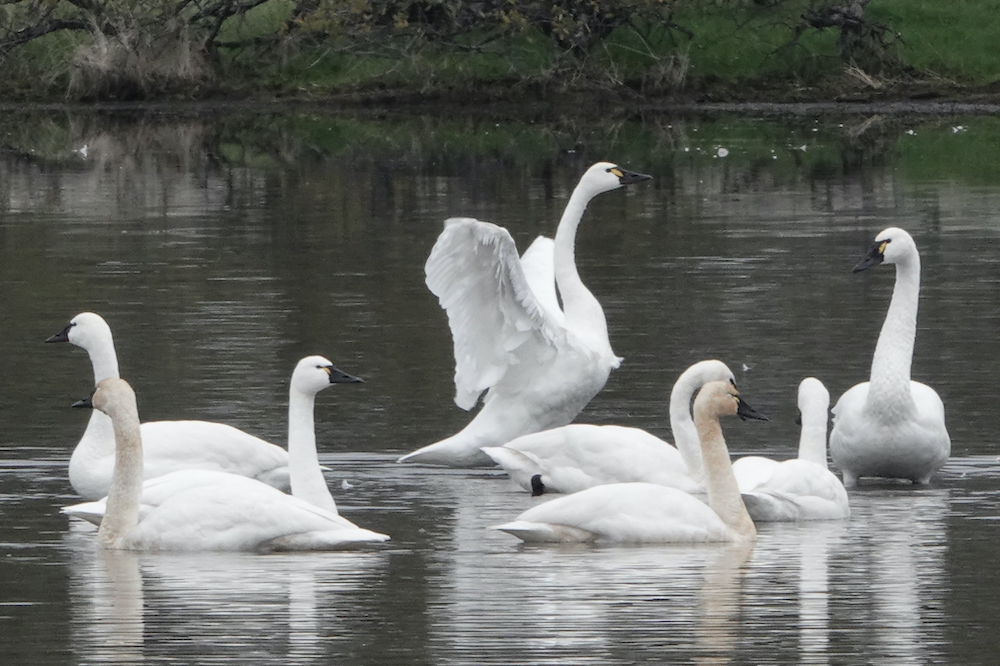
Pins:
x,y
92,512
455,451
530,532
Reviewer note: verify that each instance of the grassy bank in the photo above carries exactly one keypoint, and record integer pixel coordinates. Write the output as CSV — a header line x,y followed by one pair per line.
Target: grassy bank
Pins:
x,y
778,50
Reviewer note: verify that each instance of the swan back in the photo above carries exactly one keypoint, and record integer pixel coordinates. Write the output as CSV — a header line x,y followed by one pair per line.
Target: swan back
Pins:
x,y
681,423
814,411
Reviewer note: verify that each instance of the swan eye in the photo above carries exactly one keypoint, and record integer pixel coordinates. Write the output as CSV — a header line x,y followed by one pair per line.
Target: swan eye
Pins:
x,y
732,382
616,172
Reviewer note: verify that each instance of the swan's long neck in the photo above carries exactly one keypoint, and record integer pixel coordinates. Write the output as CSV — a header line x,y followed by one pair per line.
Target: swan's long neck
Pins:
x,y
122,512
812,440
683,428
723,491
584,314
103,358
890,377
305,474
98,442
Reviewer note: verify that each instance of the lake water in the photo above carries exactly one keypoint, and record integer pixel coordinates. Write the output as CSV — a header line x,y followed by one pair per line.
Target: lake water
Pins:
x,y
223,246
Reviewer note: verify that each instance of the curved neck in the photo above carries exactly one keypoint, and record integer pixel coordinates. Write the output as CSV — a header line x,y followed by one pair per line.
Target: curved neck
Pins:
x,y
304,471
583,311
104,359
723,491
683,428
890,376
812,440
122,513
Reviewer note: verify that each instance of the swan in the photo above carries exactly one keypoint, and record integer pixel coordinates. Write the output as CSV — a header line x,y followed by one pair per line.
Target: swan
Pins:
x,y
651,513
802,488
891,426
169,445
233,513
579,456
538,363
312,374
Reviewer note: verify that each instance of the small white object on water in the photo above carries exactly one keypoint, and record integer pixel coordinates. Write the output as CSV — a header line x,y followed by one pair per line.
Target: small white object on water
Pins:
x,y
722,152
345,484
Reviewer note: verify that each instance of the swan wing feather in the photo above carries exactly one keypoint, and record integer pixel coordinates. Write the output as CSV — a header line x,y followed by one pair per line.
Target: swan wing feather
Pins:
x,y
496,320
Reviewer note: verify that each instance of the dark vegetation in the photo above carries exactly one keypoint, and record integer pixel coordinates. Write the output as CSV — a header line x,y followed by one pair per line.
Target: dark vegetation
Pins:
x,y
483,50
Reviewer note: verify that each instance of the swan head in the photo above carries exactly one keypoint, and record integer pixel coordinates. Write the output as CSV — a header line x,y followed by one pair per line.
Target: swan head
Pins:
x,y
114,397
720,398
314,373
813,399
87,330
605,176
891,246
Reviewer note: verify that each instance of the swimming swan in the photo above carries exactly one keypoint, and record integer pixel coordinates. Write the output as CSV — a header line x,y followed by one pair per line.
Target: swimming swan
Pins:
x,y
802,488
651,513
891,426
539,364
235,513
311,375
169,445
580,456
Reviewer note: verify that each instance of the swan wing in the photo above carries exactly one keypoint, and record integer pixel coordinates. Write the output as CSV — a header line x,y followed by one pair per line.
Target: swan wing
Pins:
x,y
496,320
155,492
580,456
169,446
752,472
621,513
237,513
798,490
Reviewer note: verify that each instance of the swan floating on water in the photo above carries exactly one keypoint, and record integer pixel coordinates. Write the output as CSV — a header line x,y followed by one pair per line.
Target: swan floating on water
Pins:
x,y
802,488
232,513
580,456
538,363
169,445
891,426
651,513
311,375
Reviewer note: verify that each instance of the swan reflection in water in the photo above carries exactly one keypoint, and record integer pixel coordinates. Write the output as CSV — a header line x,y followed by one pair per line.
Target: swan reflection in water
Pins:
x,y
809,593
286,607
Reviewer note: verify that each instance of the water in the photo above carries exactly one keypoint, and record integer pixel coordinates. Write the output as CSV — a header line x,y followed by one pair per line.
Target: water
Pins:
x,y
223,247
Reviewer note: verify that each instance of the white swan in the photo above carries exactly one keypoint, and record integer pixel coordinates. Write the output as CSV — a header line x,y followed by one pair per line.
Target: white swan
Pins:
x,y
891,426
651,513
580,456
541,365
169,445
233,513
802,488
311,375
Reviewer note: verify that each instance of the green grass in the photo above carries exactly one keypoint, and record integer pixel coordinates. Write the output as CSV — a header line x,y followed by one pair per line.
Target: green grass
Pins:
x,y
958,39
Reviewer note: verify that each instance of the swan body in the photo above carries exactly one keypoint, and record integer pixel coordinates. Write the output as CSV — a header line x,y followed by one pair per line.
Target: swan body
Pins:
x,y
539,364
891,426
231,513
651,513
169,445
580,456
802,488
311,375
